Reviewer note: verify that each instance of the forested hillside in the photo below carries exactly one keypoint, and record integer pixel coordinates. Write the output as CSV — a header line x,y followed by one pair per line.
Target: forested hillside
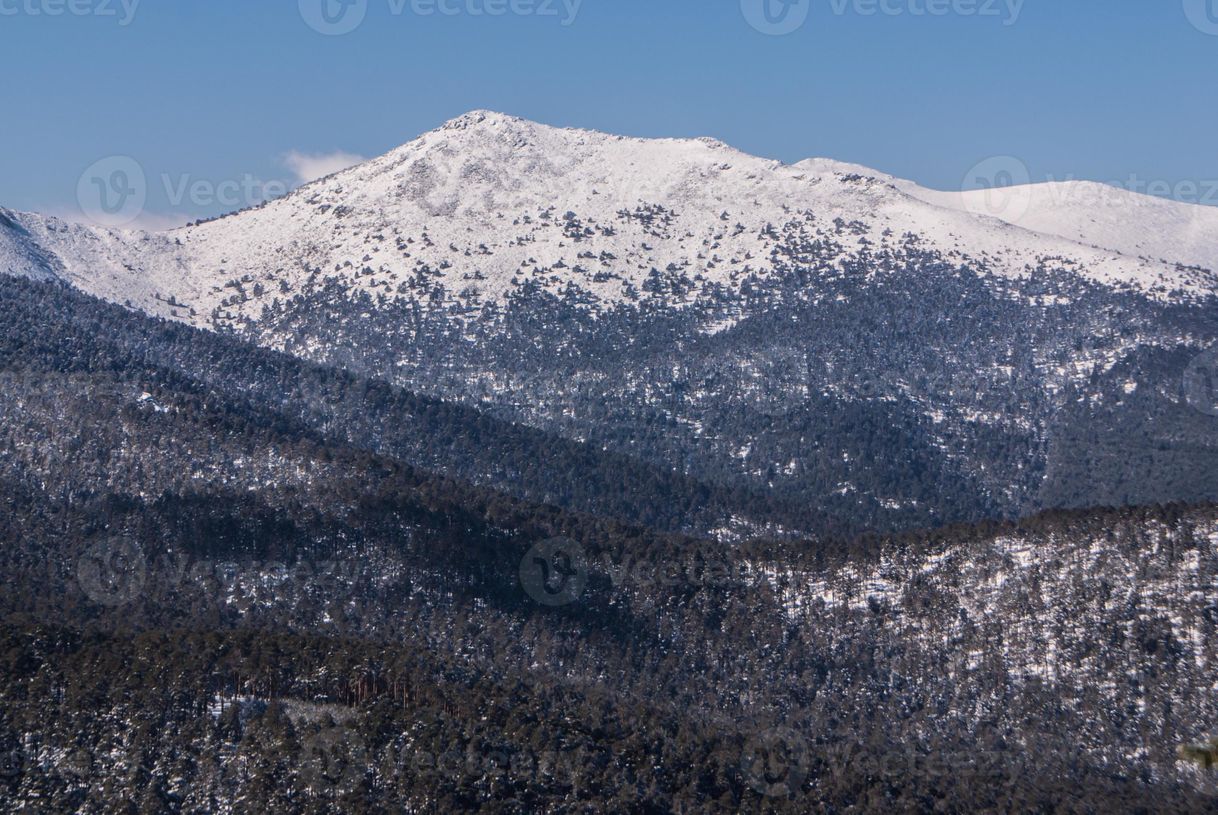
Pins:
x,y
823,347
60,350
234,582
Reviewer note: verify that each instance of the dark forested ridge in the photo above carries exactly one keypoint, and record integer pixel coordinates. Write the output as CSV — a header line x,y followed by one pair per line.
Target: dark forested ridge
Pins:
x,y
238,582
903,388
814,340
399,675
50,330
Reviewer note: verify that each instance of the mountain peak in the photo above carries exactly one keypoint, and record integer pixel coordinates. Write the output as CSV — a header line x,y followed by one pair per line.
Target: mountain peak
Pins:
x,y
483,118
828,166
502,124
490,204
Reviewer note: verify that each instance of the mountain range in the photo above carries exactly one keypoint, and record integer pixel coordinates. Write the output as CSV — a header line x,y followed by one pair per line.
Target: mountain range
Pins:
x,y
886,356
525,469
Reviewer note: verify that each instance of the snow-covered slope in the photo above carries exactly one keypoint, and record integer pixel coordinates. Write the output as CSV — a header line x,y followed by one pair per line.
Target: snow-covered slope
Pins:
x,y
1099,215
488,203
737,319
117,265
20,253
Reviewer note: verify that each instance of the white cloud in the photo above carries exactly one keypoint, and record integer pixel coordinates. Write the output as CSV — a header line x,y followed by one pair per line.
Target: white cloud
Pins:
x,y
312,166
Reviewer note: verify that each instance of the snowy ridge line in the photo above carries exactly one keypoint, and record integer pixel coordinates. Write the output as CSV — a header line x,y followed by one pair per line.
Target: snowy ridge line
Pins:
x,y
475,211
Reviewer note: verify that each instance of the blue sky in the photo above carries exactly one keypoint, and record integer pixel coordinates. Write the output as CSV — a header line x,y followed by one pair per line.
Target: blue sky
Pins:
x,y
227,90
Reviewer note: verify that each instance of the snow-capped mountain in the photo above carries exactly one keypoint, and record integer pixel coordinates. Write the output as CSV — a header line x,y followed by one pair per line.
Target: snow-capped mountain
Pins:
x,y
681,378
488,202
877,351
1097,215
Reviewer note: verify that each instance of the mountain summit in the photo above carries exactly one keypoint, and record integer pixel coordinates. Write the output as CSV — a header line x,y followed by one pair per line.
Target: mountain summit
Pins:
x,y
488,202
842,339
